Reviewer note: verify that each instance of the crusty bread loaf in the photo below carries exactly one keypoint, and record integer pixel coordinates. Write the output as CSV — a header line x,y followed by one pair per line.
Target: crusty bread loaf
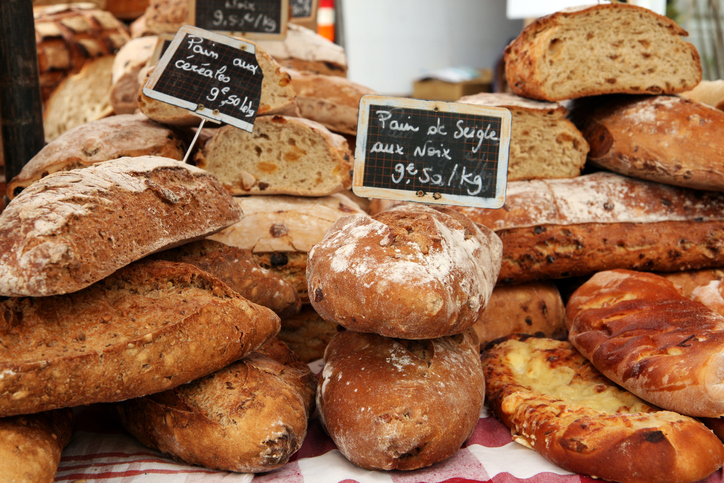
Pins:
x,y
709,92
534,308
69,35
691,280
148,327
291,266
332,101
250,416
165,16
73,228
307,334
305,50
80,98
543,143
127,9
237,269
90,143
601,49
668,139
283,155
644,334
579,226
125,82
556,402
31,444
399,404
412,272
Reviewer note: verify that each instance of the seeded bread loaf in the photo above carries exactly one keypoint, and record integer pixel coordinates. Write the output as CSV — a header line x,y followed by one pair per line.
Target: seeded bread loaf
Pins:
x,y
93,142
543,143
73,228
412,272
250,416
148,327
668,139
601,49
283,155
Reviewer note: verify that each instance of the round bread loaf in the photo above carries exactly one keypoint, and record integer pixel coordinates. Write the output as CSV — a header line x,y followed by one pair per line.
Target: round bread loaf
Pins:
x,y
411,271
400,404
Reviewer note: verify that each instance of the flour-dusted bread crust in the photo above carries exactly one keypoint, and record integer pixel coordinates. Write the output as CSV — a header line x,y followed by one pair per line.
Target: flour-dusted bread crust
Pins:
x,y
399,404
643,333
601,221
237,269
90,143
305,50
543,143
668,139
601,49
250,416
73,228
554,401
283,155
148,327
412,272
31,445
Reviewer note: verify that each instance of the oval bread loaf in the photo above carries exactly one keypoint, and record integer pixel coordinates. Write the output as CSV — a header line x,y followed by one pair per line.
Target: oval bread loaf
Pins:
x,y
400,404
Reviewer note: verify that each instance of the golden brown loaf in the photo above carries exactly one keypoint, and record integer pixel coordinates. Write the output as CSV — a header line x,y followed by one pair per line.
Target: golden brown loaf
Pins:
x,y
73,228
556,402
250,416
412,272
400,404
148,327
110,138
643,333
601,49
689,281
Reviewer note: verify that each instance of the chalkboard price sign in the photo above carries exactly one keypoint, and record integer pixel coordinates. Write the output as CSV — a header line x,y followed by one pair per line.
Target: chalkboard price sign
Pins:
x,y
215,76
252,19
432,152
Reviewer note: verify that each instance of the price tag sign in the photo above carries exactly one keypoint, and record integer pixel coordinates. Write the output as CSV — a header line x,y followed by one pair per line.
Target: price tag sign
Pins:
x,y
215,76
304,9
432,152
251,19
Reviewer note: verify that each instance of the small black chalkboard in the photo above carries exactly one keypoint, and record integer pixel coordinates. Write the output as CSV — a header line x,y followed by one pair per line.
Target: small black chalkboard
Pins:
x,y
213,75
252,19
304,9
432,152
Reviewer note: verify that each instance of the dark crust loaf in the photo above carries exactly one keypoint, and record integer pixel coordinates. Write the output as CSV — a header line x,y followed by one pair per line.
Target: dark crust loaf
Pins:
x,y
237,269
148,327
576,227
643,333
668,139
73,228
31,445
400,404
250,416
602,430
412,272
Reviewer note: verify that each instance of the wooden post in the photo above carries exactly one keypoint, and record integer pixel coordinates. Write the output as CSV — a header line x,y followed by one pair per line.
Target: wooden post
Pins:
x,y
21,111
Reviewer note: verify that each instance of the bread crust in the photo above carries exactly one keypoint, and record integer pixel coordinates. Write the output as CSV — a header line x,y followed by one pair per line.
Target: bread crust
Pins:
x,y
554,401
412,272
250,416
148,327
400,404
69,229
643,333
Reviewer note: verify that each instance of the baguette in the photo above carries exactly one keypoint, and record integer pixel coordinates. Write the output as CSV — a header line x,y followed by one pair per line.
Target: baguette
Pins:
x,y
73,228
148,327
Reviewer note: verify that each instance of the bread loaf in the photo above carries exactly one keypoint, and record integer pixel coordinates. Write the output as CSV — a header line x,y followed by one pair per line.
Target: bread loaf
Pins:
x,y
148,327
31,445
283,155
90,143
307,334
73,228
250,416
644,334
690,281
556,402
412,272
305,50
543,143
576,227
399,404
709,92
668,139
165,16
291,266
127,66
601,49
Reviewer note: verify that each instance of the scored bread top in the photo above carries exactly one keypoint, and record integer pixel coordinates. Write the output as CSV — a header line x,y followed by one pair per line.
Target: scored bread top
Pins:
x,y
73,228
